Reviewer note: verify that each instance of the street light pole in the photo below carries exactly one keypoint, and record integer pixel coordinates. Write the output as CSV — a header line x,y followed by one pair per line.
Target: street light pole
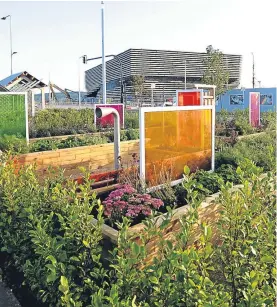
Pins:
x,y
253,73
79,80
12,53
11,45
103,54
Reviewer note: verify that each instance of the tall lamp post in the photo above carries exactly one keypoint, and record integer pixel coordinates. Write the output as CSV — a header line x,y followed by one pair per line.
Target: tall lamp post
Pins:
x,y
79,77
12,53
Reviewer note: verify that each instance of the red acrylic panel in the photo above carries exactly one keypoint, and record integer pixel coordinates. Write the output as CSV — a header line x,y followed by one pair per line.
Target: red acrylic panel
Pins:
x,y
254,109
108,121
189,98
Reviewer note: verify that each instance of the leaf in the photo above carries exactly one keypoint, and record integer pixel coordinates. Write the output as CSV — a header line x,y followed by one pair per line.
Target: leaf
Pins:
x,y
134,301
52,259
135,248
86,243
252,274
154,280
51,277
253,250
64,281
191,282
267,259
186,170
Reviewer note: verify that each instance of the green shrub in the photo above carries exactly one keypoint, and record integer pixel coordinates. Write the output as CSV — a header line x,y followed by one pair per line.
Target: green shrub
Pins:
x,y
52,122
228,173
49,238
131,119
209,180
14,144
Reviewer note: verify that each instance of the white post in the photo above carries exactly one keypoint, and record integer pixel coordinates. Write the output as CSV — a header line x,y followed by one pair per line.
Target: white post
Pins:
x,y
33,111
103,55
42,98
79,82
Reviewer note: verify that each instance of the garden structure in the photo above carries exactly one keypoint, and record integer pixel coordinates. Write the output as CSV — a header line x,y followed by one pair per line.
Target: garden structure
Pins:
x,y
135,245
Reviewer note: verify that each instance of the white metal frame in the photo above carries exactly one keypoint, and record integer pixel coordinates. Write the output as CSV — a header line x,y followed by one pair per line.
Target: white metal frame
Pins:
x,y
26,109
142,112
201,91
259,99
109,105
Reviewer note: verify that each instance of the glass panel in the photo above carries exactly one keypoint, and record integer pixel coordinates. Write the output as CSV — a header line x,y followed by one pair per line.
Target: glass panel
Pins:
x,y
254,109
189,99
12,114
108,120
174,139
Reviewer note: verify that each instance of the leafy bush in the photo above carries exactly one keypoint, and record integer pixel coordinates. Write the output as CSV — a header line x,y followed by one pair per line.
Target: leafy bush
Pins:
x,y
13,144
131,119
209,180
52,122
228,173
268,120
261,149
126,201
48,233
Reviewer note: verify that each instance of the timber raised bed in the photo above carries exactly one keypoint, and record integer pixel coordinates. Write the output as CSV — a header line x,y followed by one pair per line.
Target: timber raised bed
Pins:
x,y
95,158
209,212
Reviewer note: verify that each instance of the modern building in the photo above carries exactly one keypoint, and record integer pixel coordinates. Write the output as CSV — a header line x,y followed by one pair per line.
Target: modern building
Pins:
x,y
166,71
238,99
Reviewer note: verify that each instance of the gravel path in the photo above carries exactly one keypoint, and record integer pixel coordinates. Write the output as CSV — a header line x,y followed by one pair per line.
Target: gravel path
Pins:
x,y
7,299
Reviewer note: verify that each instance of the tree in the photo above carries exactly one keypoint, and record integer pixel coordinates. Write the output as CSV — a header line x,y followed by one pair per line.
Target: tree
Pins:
x,y
138,86
215,73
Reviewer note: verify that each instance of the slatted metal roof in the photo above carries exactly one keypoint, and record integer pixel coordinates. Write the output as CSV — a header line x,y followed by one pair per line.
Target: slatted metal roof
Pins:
x,y
21,82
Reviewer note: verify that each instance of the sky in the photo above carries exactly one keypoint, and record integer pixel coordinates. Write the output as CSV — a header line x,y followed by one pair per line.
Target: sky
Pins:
x,y
50,36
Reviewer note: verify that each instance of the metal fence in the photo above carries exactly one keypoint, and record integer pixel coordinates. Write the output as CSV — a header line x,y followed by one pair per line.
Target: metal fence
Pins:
x,y
13,114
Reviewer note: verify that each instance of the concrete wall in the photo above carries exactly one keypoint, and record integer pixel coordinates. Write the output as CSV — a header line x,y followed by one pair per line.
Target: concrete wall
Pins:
x,y
225,101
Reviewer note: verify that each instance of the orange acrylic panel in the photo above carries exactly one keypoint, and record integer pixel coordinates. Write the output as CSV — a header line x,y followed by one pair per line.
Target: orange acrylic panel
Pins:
x,y
189,98
173,139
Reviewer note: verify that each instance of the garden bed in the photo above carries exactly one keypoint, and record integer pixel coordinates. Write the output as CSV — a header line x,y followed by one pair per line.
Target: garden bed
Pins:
x,y
208,212
95,158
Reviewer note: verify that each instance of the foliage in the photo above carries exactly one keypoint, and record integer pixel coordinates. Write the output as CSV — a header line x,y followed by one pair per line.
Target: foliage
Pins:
x,y
268,120
70,142
51,237
126,201
131,119
138,86
247,225
228,173
209,180
13,144
48,233
52,122
215,72
260,148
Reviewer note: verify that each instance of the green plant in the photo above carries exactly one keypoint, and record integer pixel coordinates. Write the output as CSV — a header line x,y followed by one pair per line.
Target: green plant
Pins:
x,y
215,72
13,144
247,225
131,120
209,180
49,234
228,173
53,122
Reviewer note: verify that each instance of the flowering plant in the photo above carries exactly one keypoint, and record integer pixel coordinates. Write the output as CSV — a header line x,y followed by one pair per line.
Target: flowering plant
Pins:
x,y
126,201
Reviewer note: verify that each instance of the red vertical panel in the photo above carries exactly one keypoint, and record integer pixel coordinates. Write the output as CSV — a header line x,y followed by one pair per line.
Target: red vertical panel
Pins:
x,y
189,99
254,109
108,120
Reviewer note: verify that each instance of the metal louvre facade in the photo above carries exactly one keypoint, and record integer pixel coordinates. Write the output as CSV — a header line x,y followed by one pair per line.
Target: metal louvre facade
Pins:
x,y
167,69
